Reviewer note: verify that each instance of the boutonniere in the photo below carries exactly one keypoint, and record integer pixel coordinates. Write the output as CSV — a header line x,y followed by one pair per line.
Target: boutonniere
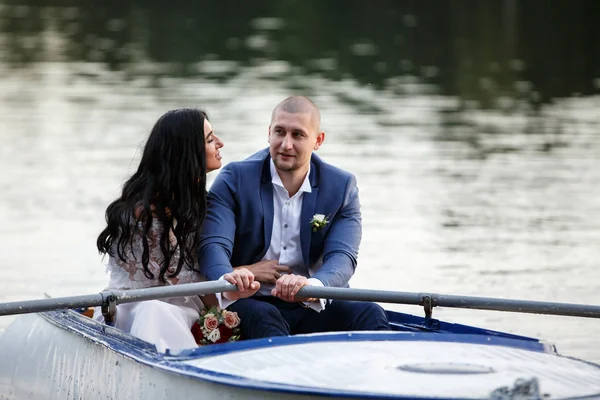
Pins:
x,y
318,222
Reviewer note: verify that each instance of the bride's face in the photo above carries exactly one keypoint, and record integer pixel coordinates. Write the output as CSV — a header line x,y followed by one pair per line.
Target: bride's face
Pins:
x,y
212,144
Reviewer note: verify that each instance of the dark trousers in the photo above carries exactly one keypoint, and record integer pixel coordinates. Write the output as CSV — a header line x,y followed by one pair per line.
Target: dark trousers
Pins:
x,y
265,316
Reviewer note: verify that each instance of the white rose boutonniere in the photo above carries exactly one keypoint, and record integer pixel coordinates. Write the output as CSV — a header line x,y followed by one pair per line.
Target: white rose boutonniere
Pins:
x,y
318,222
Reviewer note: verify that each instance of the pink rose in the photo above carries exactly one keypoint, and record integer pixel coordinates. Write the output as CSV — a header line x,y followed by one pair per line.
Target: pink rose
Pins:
x,y
231,319
210,322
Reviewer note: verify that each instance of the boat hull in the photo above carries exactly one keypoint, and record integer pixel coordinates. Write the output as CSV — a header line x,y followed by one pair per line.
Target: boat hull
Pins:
x,y
59,365
63,355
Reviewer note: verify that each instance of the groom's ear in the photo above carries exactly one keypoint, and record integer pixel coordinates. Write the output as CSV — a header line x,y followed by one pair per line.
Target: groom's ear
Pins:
x,y
320,140
269,134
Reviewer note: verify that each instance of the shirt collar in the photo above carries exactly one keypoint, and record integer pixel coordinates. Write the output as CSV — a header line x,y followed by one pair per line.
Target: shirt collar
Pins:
x,y
276,180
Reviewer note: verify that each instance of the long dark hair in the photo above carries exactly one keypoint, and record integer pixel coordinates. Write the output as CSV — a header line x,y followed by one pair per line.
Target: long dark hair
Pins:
x,y
170,185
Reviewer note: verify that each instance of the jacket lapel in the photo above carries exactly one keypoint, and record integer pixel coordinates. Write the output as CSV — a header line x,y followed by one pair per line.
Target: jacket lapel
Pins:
x,y
266,196
309,203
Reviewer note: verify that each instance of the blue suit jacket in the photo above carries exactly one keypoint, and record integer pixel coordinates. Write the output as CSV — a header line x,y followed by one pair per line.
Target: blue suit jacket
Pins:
x,y
239,222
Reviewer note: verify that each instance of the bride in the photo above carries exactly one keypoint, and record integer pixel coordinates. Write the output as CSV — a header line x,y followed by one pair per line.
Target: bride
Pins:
x,y
151,232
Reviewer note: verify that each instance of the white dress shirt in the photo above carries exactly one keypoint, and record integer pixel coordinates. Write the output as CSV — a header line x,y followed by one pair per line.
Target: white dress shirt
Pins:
x,y
285,243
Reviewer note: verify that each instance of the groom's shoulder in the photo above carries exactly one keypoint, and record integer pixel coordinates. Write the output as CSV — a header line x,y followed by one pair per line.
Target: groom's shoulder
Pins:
x,y
253,162
331,170
257,158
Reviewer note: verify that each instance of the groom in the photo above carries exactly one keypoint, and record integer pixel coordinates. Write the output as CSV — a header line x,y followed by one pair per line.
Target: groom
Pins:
x,y
293,220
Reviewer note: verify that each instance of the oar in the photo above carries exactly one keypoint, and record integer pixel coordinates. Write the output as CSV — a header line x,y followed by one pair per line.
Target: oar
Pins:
x,y
383,296
116,296
445,300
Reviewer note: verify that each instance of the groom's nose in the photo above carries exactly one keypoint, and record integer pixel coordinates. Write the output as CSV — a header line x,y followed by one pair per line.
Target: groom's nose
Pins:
x,y
287,142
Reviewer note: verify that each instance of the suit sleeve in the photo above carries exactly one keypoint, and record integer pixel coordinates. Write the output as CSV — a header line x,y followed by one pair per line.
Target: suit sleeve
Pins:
x,y
340,251
218,230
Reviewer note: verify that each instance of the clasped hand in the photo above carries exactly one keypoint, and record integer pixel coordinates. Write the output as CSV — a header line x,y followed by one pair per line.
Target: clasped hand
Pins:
x,y
267,271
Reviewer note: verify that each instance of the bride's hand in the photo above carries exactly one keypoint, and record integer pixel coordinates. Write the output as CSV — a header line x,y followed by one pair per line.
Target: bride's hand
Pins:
x,y
244,280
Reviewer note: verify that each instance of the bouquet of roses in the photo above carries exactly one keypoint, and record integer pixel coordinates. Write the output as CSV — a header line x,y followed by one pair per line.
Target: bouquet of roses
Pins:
x,y
216,326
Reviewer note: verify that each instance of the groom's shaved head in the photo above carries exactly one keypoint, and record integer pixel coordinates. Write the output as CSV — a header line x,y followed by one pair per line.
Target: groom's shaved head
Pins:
x,y
299,104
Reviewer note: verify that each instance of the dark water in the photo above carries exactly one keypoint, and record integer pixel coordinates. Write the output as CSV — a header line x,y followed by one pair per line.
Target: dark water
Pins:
x,y
473,129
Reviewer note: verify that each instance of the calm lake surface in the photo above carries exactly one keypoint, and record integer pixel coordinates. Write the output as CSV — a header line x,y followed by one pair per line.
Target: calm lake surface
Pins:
x,y
476,143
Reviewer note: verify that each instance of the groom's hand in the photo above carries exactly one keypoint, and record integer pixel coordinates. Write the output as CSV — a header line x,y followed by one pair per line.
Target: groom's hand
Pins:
x,y
288,286
267,271
245,282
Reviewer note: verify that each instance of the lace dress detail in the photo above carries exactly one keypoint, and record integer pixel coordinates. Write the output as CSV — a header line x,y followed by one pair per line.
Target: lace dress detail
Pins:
x,y
129,274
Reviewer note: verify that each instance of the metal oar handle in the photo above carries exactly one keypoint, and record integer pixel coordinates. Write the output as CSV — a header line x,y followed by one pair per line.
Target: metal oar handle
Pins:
x,y
428,300
444,300
115,297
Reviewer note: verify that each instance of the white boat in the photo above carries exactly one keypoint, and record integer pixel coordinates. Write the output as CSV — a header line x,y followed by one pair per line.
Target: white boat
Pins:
x,y
65,355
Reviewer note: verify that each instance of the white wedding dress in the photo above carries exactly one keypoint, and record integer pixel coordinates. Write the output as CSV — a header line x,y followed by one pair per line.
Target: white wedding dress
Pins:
x,y
165,323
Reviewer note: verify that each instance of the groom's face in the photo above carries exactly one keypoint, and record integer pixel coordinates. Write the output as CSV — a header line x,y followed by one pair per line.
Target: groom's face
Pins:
x,y
292,139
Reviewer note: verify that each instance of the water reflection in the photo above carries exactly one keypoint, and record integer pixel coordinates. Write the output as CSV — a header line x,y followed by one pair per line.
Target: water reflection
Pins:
x,y
475,145
495,54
